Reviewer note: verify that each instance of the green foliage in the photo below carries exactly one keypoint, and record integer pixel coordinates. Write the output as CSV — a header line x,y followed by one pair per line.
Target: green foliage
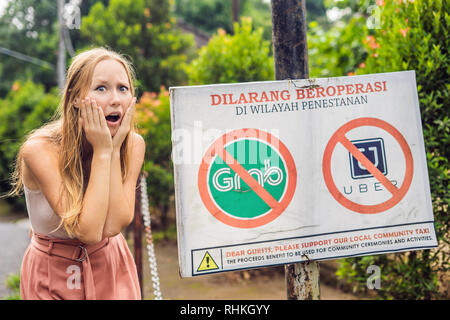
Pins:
x,y
28,27
414,35
26,107
241,57
260,13
208,15
13,283
153,121
337,51
31,27
315,10
143,30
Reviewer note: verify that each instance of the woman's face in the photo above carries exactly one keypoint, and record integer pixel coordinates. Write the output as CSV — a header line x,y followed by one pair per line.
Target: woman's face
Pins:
x,y
110,89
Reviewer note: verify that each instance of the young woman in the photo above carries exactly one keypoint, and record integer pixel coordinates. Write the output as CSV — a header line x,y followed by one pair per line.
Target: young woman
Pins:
x,y
79,175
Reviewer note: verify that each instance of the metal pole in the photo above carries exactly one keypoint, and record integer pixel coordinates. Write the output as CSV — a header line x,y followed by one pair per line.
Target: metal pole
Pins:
x,y
291,62
61,65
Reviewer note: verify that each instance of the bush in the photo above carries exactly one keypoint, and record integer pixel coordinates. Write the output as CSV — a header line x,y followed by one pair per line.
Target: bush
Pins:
x,y
338,51
414,35
13,283
241,57
145,31
153,121
26,107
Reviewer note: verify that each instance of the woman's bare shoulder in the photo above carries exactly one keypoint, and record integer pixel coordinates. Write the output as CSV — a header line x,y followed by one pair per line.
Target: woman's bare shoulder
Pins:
x,y
137,138
39,147
136,155
138,144
40,162
40,155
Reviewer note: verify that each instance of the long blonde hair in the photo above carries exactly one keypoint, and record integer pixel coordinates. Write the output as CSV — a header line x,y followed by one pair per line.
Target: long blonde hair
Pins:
x,y
66,133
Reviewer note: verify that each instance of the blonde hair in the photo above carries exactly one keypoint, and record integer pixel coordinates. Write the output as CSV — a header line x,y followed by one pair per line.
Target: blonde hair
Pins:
x,y
66,133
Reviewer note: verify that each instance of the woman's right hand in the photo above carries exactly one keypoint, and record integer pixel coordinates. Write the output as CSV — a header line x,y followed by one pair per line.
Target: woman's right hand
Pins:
x,y
95,127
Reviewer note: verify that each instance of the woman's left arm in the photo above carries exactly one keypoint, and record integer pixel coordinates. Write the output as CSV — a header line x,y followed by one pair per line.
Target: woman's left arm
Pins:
x,y
122,193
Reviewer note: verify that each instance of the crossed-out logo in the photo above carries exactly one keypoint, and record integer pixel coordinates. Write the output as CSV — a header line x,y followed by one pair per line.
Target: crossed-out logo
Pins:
x,y
362,180
247,178
370,146
372,149
234,195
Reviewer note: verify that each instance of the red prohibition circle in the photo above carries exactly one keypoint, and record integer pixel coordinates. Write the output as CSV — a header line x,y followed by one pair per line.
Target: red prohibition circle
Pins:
x,y
217,148
339,137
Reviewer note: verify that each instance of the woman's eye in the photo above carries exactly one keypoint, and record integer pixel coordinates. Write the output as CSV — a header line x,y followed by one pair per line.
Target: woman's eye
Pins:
x,y
100,88
123,88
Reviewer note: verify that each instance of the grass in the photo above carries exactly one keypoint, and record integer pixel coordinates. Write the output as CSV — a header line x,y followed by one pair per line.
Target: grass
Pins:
x,y
13,283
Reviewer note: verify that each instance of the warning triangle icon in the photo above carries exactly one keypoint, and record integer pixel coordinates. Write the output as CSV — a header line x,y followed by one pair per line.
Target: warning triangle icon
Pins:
x,y
207,263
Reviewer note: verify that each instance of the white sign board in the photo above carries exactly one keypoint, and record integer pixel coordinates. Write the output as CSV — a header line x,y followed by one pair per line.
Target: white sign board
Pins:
x,y
269,173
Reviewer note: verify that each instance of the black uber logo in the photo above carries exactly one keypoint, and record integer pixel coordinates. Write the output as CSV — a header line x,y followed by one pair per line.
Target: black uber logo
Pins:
x,y
372,149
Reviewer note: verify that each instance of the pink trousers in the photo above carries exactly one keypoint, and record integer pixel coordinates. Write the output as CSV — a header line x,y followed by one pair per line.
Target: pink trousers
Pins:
x,y
57,269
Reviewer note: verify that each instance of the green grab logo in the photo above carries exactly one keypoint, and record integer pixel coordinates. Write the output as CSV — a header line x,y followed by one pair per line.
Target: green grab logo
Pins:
x,y
232,194
247,178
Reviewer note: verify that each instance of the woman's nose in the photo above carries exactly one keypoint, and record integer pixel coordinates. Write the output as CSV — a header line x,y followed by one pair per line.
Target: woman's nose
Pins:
x,y
115,98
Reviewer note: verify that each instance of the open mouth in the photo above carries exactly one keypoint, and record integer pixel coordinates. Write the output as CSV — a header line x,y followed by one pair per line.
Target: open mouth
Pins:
x,y
113,118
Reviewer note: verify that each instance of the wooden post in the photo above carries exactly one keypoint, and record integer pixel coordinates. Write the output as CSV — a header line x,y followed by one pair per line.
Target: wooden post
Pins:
x,y
235,10
137,232
291,62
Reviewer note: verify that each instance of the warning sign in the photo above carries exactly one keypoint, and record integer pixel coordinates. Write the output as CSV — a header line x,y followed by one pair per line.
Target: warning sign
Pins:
x,y
207,263
270,173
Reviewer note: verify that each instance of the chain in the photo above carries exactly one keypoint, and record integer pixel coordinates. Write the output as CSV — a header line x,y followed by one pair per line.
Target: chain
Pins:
x,y
149,239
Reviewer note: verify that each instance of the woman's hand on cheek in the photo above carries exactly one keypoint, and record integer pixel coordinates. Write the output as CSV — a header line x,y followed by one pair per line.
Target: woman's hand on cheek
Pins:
x,y
95,126
125,126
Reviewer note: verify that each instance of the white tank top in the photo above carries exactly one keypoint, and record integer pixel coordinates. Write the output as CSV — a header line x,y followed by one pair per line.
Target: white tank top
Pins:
x,y
42,217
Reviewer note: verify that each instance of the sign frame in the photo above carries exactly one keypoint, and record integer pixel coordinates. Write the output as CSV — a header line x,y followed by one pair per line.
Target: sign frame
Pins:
x,y
310,117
